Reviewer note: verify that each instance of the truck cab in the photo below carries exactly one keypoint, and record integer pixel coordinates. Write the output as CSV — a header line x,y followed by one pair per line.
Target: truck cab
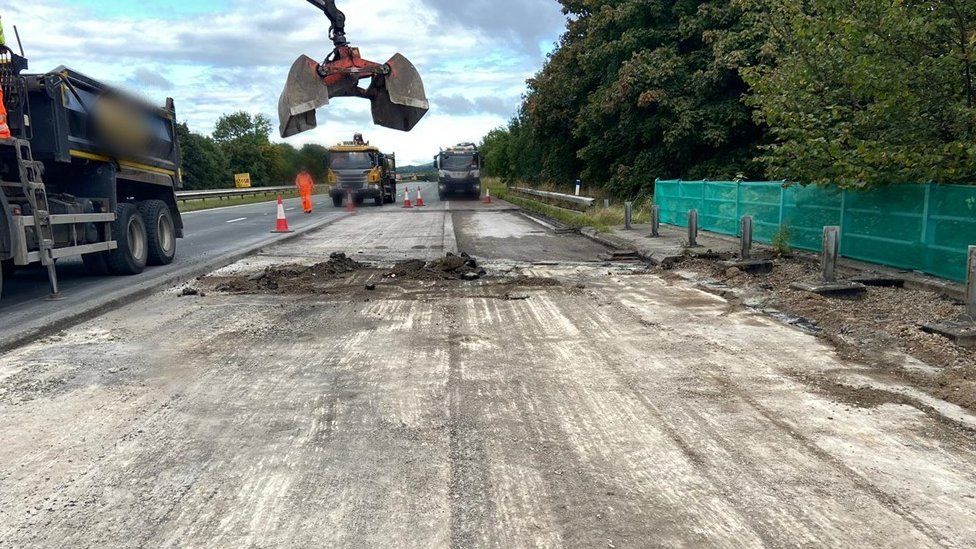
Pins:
x,y
459,171
361,172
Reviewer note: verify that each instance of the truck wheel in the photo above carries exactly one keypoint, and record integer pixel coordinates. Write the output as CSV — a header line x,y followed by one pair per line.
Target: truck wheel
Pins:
x,y
379,200
359,199
160,232
337,201
129,231
7,269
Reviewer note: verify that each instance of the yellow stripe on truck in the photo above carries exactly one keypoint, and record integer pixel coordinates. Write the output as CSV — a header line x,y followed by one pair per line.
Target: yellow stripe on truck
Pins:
x,y
126,163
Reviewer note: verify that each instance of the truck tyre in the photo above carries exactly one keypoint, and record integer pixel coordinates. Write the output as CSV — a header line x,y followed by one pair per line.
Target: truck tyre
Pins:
x,y
160,232
379,200
7,269
337,201
129,230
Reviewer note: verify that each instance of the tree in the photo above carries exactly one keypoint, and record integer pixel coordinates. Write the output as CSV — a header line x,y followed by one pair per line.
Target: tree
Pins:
x,y
638,89
245,141
204,164
861,94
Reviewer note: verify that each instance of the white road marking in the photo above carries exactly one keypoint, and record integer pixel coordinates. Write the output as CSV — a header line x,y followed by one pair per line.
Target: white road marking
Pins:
x,y
236,220
289,209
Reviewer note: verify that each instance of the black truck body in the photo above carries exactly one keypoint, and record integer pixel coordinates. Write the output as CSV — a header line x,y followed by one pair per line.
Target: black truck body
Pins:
x,y
89,171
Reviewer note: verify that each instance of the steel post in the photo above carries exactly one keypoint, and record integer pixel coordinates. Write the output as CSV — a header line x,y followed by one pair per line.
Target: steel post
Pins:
x,y
628,215
830,253
655,221
693,228
971,283
746,242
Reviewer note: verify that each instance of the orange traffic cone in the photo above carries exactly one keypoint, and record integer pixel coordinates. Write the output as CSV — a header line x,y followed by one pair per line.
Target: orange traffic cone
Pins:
x,y
282,226
350,203
4,128
487,199
420,199
406,199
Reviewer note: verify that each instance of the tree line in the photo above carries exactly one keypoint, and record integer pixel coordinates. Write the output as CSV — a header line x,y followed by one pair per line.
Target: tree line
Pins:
x,y
241,143
833,92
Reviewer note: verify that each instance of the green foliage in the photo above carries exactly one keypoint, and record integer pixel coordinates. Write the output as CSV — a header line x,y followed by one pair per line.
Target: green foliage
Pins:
x,y
204,164
781,241
241,144
861,94
637,89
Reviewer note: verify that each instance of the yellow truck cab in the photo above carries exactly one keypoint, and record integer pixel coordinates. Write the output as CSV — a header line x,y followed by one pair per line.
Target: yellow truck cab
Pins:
x,y
359,171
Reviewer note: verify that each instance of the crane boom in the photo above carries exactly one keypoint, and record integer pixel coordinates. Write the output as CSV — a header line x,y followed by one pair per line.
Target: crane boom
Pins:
x,y
337,31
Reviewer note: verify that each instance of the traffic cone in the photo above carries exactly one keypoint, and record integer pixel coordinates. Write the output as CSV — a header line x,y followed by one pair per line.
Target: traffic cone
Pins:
x,y
487,199
282,226
420,199
350,203
4,127
406,199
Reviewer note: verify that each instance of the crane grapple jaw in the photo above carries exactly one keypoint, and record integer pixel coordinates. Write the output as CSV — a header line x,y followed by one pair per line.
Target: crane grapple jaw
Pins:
x,y
304,92
399,99
396,90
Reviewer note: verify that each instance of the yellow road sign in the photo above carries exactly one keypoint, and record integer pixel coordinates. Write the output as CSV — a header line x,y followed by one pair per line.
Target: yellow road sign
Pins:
x,y
243,180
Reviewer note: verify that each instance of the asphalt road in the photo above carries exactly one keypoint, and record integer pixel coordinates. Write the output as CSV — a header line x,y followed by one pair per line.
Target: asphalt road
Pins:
x,y
562,401
209,234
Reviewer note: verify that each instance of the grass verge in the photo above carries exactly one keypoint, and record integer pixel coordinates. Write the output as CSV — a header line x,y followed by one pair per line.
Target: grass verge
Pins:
x,y
213,203
600,218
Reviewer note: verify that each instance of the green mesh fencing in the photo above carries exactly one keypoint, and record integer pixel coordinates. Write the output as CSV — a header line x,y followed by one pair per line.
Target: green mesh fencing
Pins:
x,y
926,228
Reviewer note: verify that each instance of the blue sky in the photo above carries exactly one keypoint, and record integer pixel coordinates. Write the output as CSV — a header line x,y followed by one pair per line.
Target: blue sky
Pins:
x,y
220,56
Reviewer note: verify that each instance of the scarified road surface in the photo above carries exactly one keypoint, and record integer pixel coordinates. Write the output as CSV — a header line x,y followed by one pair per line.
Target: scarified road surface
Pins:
x,y
610,409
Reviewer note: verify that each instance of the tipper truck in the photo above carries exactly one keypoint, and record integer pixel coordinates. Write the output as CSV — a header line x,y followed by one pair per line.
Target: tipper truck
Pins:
x,y
359,171
459,171
88,171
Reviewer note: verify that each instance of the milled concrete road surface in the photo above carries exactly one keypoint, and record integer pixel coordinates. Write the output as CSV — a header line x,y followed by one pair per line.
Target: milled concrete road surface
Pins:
x,y
613,409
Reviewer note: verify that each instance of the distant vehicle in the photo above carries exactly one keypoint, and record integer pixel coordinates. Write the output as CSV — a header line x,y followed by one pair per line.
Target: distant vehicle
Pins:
x,y
89,171
360,171
459,171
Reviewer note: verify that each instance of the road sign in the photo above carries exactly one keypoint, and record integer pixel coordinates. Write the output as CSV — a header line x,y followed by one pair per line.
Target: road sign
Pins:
x,y
242,180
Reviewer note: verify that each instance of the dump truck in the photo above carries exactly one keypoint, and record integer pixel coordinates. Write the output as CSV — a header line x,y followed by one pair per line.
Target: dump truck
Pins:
x,y
459,171
359,171
88,171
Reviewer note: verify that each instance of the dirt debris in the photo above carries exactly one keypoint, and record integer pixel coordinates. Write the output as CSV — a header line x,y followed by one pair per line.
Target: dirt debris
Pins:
x,y
449,267
290,278
873,329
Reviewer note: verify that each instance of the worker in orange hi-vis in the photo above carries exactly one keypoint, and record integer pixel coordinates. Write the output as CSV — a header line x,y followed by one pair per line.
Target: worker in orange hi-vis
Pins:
x,y
306,186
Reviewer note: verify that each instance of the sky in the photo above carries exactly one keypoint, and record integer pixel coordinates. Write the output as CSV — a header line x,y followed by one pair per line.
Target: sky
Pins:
x,y
220,56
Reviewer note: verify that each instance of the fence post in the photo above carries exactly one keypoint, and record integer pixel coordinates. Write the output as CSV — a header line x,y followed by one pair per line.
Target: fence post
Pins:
x,y
971,283
693,228
628,215
606,203
831,250
745,227
655,221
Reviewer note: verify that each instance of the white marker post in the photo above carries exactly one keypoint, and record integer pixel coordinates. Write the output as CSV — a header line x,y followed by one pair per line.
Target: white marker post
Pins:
x,y
579,187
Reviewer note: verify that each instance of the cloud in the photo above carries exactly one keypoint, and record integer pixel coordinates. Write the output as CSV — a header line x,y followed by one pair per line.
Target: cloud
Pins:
x,y
145,78
474,56
459,105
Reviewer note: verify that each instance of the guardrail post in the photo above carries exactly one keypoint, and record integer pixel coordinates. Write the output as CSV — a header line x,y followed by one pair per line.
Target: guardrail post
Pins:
x,y
746,242
693,228
628,215
831,250
971,283
655,221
